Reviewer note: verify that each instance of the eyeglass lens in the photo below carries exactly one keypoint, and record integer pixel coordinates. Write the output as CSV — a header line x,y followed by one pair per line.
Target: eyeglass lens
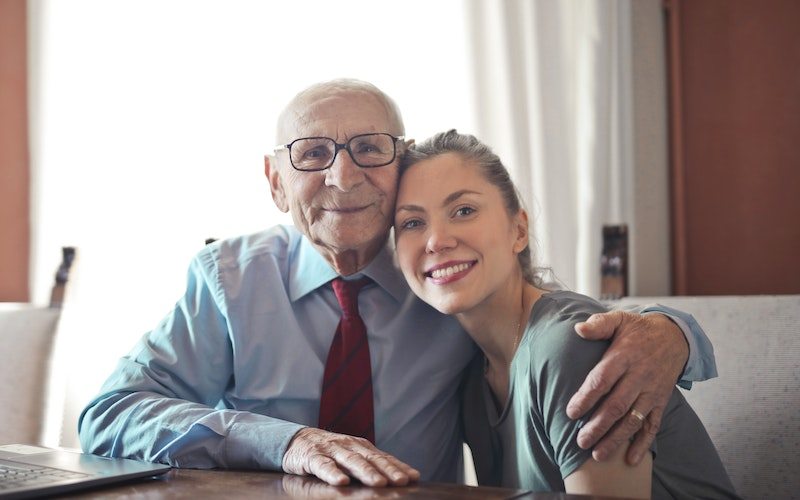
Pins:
x,y
367,150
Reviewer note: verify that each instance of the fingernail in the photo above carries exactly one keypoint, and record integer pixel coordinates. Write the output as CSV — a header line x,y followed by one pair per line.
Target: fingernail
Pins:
x,y
637,457
600,454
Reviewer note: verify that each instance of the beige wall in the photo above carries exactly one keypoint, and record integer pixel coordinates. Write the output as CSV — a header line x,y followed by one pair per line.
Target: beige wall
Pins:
x,y
650,269
14,173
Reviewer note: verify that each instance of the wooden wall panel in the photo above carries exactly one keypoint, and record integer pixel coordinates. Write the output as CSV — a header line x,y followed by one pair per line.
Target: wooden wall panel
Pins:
x,y
14,173
735,111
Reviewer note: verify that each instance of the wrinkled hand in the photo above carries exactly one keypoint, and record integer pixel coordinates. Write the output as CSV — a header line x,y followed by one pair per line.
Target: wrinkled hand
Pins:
x,y
640,368
335,458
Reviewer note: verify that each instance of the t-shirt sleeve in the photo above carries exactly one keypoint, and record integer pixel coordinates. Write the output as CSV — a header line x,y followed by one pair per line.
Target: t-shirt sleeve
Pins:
x,y
560,361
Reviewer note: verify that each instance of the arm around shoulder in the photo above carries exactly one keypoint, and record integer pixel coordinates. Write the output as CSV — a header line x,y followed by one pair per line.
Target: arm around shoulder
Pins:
x,y
701,364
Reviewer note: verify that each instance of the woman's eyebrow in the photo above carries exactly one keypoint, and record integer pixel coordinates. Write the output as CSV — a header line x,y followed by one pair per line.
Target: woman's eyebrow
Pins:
x,y
450,199
456,195
409,208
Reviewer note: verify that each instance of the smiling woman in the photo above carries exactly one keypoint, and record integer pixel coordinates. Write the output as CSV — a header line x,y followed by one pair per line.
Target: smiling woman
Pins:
x,y
459,231
149,123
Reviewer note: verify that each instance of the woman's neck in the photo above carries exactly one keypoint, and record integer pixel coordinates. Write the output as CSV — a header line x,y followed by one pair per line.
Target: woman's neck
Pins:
x,y
497,324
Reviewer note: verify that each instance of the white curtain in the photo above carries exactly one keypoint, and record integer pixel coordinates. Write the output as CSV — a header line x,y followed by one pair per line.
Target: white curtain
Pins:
x,y
553,92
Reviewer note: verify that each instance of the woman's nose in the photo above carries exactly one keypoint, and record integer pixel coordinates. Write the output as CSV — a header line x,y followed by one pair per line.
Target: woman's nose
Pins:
x,y
440,239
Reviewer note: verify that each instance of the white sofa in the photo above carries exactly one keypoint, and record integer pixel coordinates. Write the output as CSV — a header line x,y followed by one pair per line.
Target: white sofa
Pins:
x,y
27,336
752,410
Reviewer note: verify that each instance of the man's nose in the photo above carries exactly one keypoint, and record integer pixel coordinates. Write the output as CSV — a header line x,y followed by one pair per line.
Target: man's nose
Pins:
x,y
440,239
344,173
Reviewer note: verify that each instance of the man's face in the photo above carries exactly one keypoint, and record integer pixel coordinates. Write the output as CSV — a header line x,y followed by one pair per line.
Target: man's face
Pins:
x,y
345,207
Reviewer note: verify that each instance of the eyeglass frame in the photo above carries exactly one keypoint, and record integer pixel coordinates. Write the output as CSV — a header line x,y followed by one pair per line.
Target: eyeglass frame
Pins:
x,y
338,147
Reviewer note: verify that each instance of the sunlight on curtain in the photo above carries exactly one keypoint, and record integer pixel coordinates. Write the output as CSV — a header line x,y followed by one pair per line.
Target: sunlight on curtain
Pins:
x,y
149,120
553,90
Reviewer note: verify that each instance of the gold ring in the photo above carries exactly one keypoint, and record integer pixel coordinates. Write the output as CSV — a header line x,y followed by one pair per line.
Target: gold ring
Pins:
x,y
638,415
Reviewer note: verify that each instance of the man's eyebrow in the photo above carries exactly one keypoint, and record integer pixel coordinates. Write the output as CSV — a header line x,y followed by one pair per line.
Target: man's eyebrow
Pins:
x,y
450,199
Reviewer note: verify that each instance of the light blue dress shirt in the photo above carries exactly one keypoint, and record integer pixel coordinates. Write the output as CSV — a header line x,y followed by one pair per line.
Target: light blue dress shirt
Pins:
x,y
235,370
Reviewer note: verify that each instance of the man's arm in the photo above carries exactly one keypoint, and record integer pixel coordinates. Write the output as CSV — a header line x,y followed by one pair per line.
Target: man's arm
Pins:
x,y
638,372
159,405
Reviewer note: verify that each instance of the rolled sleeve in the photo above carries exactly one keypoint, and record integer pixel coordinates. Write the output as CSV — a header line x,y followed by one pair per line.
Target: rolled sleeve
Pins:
x,y
701,364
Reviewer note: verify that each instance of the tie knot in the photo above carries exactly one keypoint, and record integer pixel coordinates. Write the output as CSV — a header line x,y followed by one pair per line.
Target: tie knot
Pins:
x,y
347,294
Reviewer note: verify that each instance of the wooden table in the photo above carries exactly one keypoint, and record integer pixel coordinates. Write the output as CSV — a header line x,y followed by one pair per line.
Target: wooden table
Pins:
x,y
200,484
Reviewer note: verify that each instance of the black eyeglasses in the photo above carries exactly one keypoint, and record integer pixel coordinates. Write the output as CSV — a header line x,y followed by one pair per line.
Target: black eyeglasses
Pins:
x,y
311,154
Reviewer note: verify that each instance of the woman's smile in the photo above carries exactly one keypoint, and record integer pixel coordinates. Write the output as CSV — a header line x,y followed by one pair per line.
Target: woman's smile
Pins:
x,y
449,272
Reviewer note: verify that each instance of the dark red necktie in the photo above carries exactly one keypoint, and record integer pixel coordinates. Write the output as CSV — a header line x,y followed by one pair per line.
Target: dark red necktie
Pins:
x,y
346,404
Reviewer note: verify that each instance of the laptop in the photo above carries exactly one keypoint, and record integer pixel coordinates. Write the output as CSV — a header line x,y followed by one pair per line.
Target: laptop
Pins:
x,y
32,471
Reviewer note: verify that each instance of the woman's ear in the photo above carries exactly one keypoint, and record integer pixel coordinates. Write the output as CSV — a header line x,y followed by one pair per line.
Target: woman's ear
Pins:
x,y
275,183
520,228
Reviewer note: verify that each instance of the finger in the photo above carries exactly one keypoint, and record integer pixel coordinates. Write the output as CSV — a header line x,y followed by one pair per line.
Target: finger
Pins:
x,y
623,430
601,325
325,468
400,472
412,473
645,437
390,470
390,466
598,383
357,466
616,406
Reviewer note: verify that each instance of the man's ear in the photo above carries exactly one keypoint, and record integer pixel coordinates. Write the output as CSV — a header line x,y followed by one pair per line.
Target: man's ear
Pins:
x,y
520,227
275,183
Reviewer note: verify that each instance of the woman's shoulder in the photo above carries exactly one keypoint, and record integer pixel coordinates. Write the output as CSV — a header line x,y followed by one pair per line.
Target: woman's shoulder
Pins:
x,y
564,306
551,333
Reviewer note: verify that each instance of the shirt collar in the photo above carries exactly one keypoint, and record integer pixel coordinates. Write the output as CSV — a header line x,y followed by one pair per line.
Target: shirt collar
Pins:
x,y
309,270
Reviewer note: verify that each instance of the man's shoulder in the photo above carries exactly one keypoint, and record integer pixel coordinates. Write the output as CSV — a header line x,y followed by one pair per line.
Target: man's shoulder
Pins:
x,y
276,243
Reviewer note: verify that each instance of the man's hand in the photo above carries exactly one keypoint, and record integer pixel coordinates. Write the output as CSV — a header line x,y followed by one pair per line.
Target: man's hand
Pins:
x,y
335,458
640,368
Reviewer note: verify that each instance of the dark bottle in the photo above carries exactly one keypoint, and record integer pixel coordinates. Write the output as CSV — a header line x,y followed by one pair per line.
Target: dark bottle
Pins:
x,y
614,262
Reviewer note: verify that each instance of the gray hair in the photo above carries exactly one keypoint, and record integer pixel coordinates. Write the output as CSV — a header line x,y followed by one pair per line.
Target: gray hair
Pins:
x,y
322,90
479,154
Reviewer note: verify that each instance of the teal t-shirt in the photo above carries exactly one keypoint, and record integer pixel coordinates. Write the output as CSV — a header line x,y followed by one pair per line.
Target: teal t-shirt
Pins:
x,y
532,444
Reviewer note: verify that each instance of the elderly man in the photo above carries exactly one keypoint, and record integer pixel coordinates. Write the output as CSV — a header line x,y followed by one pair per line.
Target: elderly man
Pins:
x,y
302,349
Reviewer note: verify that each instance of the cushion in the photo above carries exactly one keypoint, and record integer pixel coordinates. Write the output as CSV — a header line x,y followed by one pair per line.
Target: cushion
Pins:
x,y
26,344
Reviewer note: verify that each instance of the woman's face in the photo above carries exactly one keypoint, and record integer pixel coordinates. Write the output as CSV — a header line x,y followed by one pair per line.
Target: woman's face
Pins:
x,y
456,243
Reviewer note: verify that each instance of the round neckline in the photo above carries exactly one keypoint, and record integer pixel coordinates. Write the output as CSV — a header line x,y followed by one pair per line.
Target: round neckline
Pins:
x,y
496,417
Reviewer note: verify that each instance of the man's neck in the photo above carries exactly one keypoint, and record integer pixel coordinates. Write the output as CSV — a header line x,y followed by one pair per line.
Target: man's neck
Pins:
x,y
350,261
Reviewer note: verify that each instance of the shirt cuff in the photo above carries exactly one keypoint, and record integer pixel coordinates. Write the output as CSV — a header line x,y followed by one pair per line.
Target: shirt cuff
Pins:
x,y
254,444
700,365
